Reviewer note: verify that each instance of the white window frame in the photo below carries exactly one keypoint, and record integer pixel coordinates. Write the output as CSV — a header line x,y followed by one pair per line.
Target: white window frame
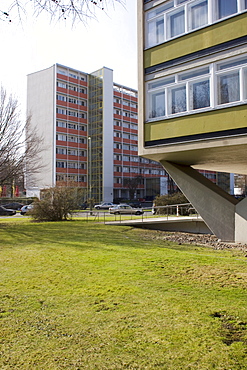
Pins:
x,y
155,13
213,75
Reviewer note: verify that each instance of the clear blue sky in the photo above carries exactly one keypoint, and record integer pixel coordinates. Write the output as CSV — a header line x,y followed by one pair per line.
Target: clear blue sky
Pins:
x,y
37,43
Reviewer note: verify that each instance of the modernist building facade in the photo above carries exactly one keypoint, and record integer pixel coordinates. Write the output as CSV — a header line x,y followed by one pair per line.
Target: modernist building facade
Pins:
x,y
90,131
192,99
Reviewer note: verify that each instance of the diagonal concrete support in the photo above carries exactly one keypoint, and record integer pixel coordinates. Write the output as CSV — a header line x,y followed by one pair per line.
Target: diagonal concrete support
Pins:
x,y
241,221
216,207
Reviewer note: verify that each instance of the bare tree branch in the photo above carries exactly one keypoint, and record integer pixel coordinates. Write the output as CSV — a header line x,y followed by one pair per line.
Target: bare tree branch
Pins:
x,y
75,10
19,146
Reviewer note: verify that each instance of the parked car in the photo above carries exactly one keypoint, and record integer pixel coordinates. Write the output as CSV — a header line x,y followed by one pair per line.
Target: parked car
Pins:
x,y
14,205
6,212
26,209
104,205
125,209
84,205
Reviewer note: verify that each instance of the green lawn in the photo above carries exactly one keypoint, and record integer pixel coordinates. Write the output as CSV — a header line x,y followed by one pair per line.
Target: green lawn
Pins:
x,y
82,295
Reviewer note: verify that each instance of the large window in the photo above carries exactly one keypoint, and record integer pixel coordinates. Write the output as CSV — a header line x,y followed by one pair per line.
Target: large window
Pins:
x,y
175,18
215,85
226,8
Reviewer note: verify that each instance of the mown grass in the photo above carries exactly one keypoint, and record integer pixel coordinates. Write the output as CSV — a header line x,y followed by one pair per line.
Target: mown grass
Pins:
x,y
81,295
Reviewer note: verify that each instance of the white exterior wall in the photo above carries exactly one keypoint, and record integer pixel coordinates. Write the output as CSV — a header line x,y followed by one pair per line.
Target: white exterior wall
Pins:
x,y
41,92
107,134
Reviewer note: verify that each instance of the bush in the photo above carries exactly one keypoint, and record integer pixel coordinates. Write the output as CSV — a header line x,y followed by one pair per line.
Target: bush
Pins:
x,y
56,204
165,200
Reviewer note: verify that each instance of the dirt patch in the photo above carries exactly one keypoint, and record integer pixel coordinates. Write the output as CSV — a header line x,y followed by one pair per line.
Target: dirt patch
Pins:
x,y
199,239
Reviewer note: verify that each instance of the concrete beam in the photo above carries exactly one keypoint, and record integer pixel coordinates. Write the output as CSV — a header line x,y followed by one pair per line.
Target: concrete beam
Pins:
x,y
216,207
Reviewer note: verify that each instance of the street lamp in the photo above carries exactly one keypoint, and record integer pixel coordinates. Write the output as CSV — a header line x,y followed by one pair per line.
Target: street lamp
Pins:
x,y
90,171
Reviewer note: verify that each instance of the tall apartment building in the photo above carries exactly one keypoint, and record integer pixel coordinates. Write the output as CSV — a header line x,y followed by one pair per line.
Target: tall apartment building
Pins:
x,y
192,100
90,132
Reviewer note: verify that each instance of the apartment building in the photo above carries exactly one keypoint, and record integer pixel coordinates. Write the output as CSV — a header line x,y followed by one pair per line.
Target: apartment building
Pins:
x,y
192,100
90,132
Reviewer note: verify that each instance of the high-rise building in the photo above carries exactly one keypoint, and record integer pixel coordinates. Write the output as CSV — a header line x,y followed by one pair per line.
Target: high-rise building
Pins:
x,y
90,135
192,100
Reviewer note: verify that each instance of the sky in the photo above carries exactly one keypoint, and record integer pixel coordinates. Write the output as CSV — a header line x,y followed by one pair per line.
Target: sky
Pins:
x,y
37,43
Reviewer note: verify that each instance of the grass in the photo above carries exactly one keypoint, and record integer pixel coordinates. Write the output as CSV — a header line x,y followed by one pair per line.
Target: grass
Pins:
x,y
81,295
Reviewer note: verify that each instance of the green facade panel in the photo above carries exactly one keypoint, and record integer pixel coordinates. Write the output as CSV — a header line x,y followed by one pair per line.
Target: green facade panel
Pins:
x,y
216,34
197,124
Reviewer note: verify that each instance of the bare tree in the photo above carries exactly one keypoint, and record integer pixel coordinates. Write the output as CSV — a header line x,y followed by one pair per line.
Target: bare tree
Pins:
x,y
57,9
132,184
20,147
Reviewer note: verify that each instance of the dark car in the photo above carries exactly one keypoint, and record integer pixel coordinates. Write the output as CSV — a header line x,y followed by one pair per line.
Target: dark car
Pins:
x,y
6,212
14,205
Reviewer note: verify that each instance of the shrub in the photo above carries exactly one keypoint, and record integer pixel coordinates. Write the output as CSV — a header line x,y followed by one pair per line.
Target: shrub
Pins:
x,y
56,204
165,200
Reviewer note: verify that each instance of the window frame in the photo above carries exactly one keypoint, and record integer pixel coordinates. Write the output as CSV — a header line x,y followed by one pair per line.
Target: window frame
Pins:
x,y
155,14
210,72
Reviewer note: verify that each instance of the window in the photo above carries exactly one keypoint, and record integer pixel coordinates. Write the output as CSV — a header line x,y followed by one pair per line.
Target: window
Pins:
x,y
61,151
83,166
62,72
61,124
117,180
178,17
72,152
157,104
117,146
134,137
61,137
126,136
201,88
178,99
61,84
176,25
72,139
198,14
126,158
226,8
72,75
228,88
61,164
117,169
82,153
199,95
126,147
135,159
61,111
61,97
81,140
126,169
72,164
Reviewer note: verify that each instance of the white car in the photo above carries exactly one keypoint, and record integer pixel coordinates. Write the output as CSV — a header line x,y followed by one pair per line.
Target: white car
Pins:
x,y
104,205
26,208
125,209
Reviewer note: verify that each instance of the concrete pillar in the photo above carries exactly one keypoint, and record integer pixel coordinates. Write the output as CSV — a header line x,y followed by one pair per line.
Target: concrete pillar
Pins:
x,y
216,207
241,221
